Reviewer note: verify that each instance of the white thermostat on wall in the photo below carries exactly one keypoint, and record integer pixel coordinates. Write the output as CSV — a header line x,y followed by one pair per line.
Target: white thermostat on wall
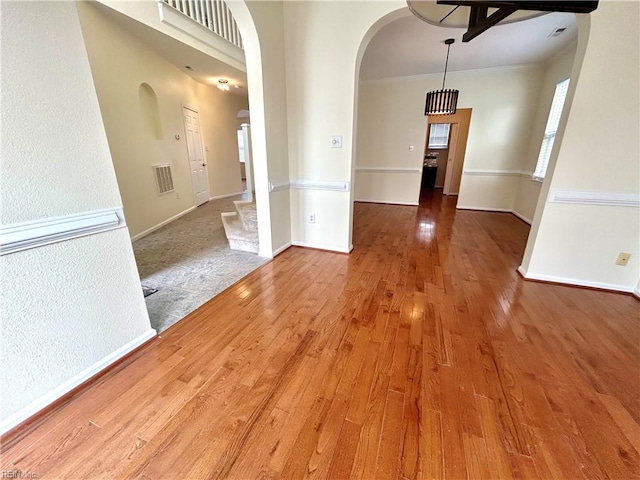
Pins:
x,y
336,141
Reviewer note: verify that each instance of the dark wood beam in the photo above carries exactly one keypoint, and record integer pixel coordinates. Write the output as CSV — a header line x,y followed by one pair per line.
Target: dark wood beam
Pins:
x,y
483,25
574,6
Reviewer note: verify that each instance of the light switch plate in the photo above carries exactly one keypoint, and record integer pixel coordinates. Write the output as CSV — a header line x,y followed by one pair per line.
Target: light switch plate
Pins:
x,y
336,141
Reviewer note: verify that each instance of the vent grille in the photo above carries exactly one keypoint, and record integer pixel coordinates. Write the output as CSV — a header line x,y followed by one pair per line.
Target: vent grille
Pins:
x,y
557,32
164,179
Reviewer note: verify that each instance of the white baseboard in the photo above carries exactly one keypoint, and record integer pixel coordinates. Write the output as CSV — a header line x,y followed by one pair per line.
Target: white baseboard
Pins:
x,y
226,195
37,405
162,224
492,209
411,204
282,249
574,281
636,293
484,209
521,217
319,246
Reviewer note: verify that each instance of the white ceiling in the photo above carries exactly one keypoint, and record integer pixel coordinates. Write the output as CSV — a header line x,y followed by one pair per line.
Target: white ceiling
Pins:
x,y
410,46
205,69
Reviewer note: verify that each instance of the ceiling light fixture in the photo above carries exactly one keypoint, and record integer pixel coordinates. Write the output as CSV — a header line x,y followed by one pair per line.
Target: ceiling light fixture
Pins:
x,y
442,102
223,85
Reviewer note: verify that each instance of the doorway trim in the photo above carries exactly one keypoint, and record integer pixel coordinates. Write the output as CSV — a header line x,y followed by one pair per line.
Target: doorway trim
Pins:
x,y
460,121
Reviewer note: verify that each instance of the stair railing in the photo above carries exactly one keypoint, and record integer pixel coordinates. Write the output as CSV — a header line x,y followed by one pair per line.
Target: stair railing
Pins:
x,y
212,14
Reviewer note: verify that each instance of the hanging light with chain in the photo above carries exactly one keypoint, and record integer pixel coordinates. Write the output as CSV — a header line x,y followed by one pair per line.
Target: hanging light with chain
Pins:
x,y
442,102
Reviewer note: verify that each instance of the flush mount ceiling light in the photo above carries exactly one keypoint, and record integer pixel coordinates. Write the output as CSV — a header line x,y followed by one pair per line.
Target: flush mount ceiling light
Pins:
x,y
442,102
223,85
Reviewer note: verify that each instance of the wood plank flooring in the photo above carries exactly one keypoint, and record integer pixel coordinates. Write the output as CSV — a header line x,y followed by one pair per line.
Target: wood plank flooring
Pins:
x,y
421,355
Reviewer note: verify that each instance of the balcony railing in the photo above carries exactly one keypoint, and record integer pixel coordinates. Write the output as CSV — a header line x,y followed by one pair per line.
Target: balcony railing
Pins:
x,y
212,14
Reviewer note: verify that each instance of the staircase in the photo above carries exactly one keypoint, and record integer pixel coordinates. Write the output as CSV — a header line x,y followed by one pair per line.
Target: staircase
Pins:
x,y
241,226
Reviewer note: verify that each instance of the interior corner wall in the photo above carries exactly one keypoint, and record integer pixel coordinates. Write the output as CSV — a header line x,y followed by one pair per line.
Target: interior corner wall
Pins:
x,y
69,306
556,70
391,119
595,162
133,149
322,40
269,121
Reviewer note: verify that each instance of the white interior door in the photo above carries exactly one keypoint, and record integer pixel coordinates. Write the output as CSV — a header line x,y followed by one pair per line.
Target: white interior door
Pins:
x,y
197,164
453,143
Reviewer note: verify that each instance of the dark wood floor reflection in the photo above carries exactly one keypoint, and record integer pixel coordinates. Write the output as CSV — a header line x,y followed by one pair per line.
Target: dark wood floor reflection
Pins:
x,y
421,355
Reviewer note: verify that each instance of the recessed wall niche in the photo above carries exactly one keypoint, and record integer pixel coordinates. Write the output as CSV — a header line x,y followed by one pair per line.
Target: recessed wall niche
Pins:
x,y
150,111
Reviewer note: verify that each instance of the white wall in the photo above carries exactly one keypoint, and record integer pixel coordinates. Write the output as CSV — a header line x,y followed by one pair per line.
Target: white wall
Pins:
x,y
65,307
596,155
391,119
557,69
268,106
134,151
322,41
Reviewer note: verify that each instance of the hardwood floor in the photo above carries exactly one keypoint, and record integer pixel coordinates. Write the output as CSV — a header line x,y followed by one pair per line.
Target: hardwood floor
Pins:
x,y
421,355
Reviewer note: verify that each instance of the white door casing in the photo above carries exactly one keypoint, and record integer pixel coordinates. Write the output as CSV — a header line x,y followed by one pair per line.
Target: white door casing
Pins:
x,y
451,156
197,163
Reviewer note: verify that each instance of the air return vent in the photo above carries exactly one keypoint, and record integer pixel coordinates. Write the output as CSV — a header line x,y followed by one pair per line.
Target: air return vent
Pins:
x,y
164,179
557,32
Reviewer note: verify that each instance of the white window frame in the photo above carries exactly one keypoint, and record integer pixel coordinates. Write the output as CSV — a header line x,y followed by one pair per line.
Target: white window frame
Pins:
x,y
550,131
433,130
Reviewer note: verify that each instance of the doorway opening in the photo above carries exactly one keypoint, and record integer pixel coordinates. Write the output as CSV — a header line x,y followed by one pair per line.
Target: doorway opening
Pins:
x,y
444,150
174,152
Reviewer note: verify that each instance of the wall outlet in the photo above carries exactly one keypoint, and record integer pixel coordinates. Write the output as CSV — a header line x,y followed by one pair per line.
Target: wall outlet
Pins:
x,y
411,148
336,141
623,259
177,196
312,218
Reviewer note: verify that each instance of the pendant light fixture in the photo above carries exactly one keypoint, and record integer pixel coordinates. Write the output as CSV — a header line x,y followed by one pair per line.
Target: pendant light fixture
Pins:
x,y
442,102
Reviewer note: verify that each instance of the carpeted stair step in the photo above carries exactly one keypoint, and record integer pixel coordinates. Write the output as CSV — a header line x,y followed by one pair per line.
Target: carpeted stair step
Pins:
x,y
240,237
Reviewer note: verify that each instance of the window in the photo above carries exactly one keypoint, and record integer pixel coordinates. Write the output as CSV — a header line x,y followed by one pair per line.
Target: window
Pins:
x,y
241,146
439,135
551,129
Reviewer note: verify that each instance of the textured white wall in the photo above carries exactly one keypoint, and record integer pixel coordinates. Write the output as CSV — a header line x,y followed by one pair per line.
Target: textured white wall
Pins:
x,y
598,151
391,119
61,147
66,306
134,151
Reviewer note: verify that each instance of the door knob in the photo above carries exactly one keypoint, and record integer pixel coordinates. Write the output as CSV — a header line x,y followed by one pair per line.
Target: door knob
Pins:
x,y
204,164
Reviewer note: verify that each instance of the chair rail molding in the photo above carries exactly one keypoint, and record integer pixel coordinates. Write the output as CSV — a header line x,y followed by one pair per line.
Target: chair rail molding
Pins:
x,y
611,199
37,233
498,173
388,170
336,186
278,186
